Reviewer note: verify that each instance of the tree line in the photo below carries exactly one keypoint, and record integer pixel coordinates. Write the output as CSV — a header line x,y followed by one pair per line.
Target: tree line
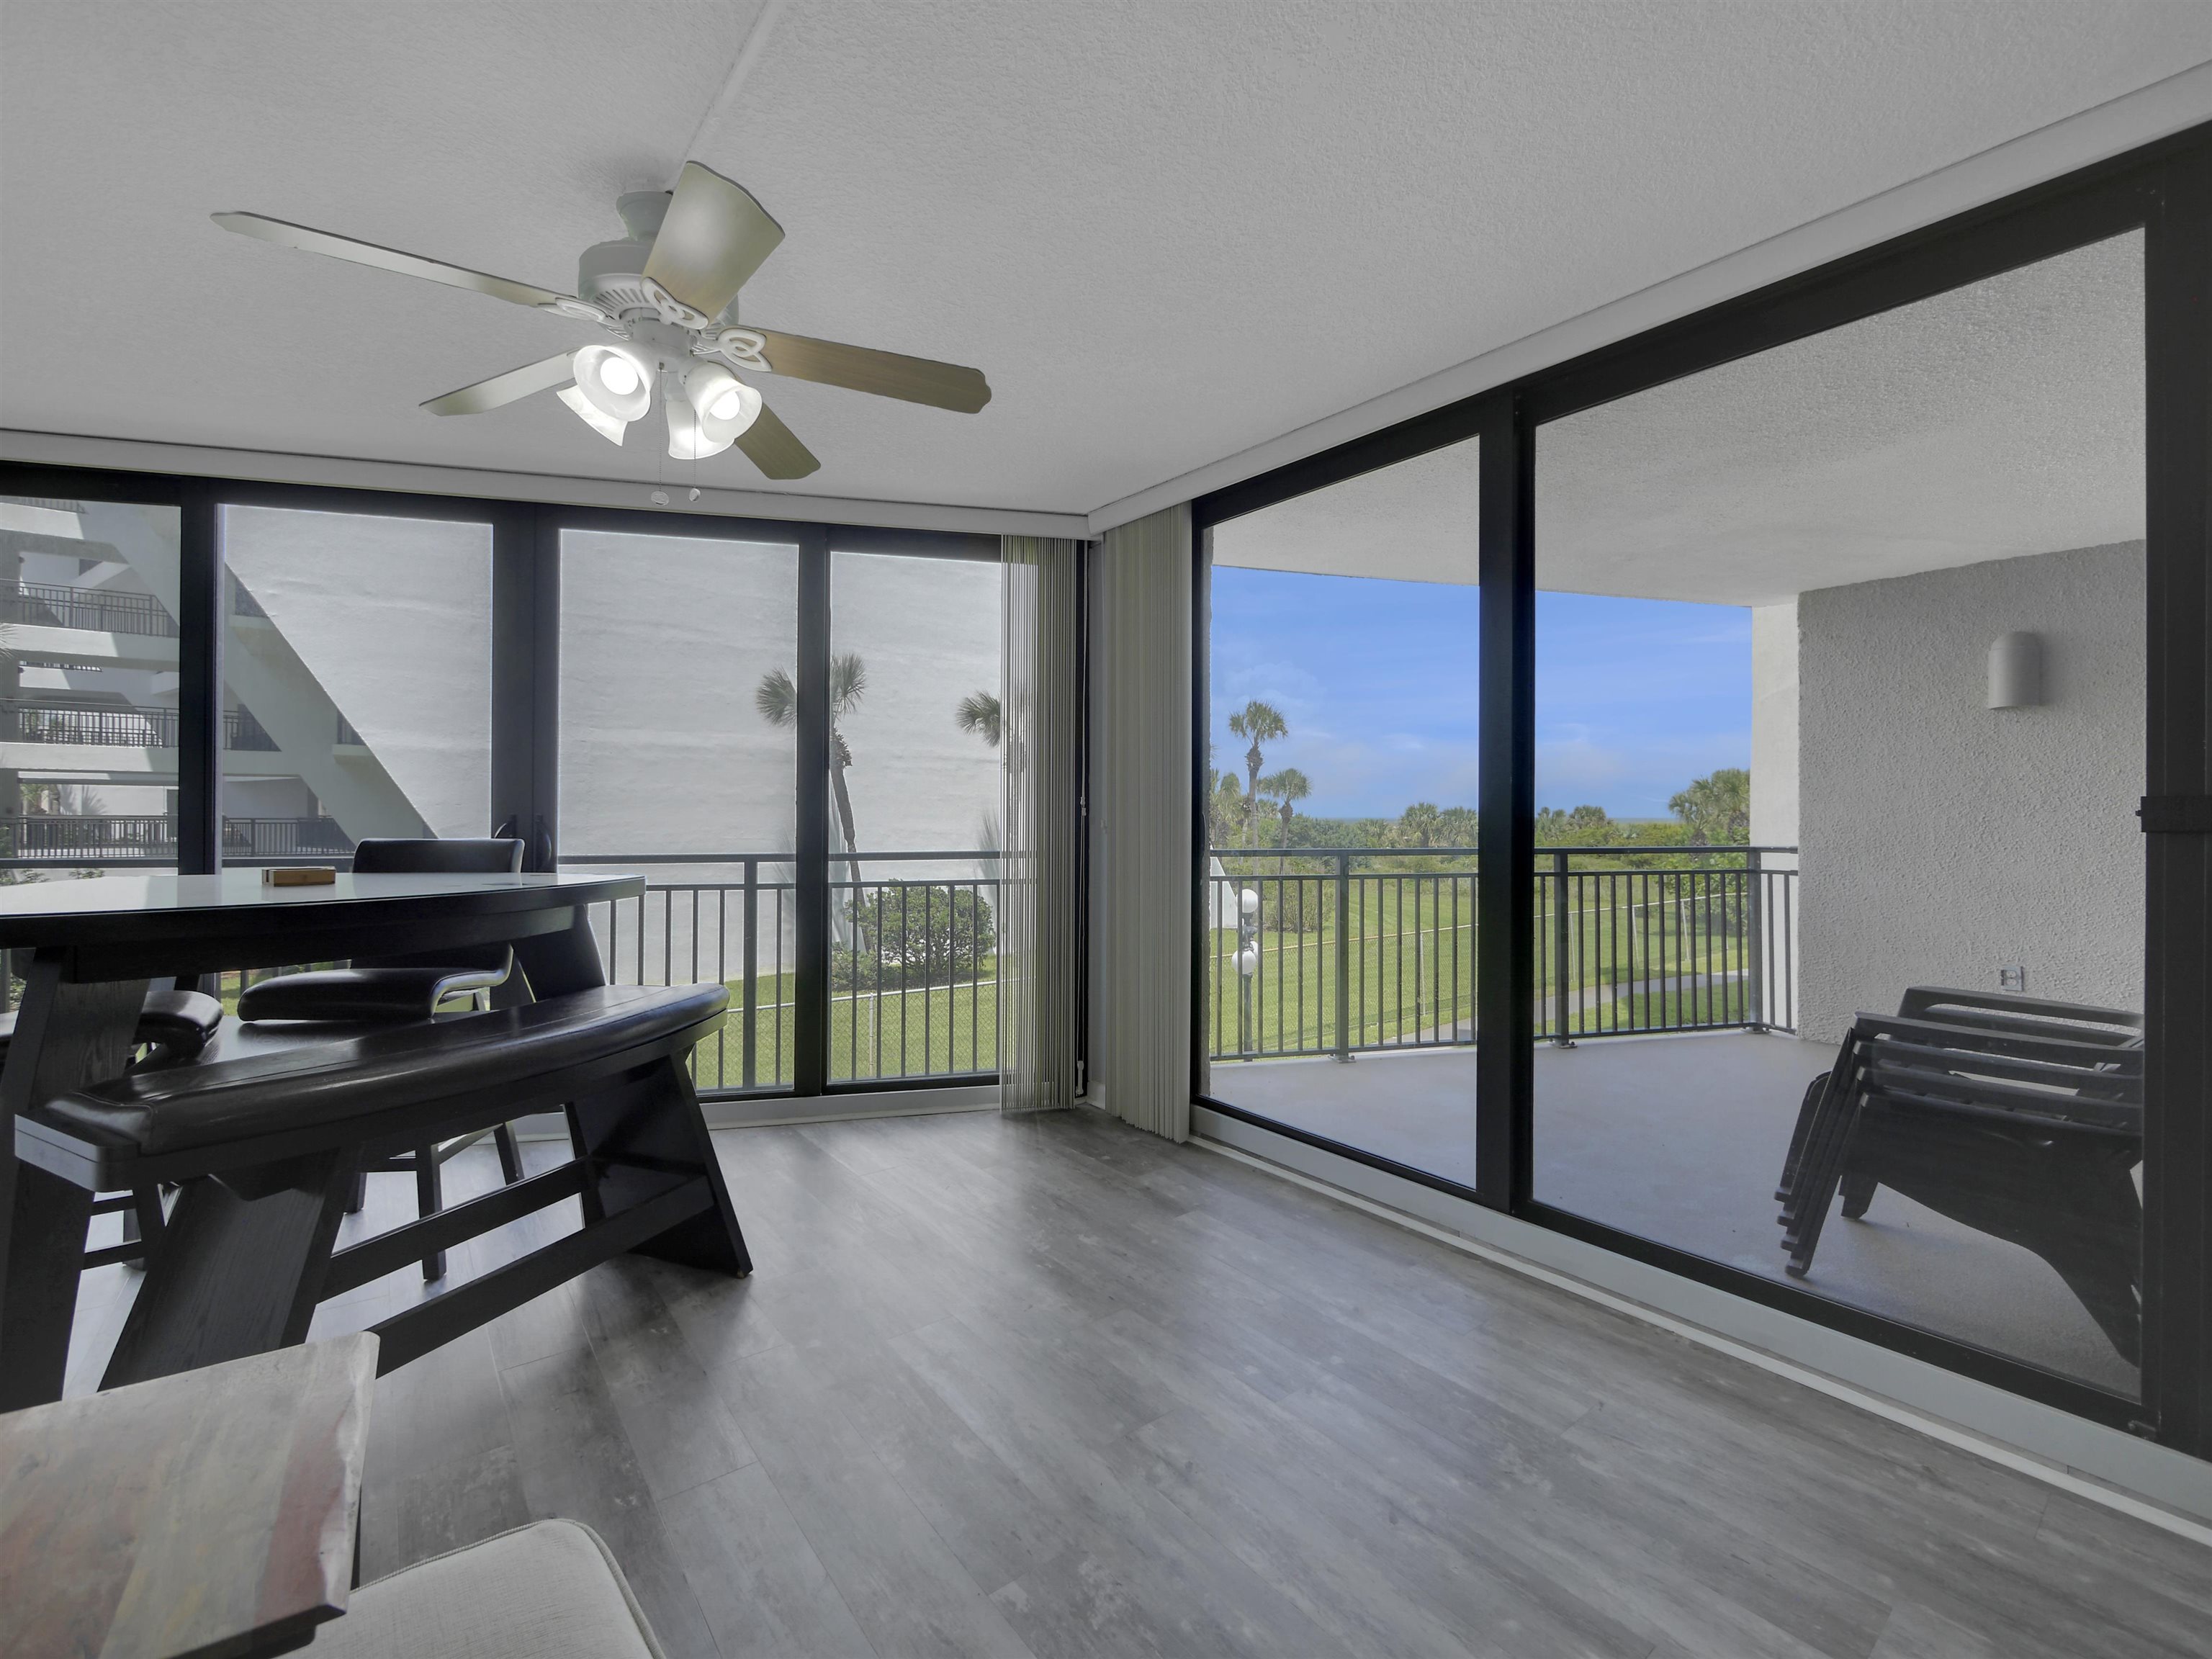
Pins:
x,y
1259,811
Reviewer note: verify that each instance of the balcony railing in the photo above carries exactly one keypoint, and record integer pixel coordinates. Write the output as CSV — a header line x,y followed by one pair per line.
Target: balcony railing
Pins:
x,y
151,838
47,604
117,725
913,968
248,841
1345,951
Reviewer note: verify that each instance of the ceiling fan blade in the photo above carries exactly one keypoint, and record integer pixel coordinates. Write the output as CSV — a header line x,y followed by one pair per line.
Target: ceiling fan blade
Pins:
x,y
884,373
505,388
769,445
714,238
387,259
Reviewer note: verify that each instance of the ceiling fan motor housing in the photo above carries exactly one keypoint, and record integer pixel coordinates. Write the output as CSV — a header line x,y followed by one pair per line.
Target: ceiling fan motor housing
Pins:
x,y
611,276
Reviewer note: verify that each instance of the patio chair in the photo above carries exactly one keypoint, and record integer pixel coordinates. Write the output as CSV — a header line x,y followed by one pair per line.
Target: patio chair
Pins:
x,y
173,1026
1988,1010
404,989
2016,1116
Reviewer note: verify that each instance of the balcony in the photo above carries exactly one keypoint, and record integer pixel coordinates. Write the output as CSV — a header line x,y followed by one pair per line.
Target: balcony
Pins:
x,y
46,604
117,725
151,838
1667,1071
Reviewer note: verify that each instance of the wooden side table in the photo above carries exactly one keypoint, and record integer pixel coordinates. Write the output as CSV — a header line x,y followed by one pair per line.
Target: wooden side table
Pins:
x,y
210,1513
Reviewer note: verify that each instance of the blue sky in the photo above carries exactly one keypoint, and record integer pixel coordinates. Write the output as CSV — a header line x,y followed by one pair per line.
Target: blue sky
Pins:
x,y
1634,697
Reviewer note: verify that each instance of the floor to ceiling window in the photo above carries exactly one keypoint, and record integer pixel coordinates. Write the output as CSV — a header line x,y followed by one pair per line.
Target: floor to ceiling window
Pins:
x,y
677,758
1843,789
356,681
1839,741
1338,906
88,687
915,798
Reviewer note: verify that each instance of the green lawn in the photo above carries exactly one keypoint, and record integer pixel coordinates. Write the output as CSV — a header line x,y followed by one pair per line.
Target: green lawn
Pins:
x,y
894,1034
891,1034
1634,956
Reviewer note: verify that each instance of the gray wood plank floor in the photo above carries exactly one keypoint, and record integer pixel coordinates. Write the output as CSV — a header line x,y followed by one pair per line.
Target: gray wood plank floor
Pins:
x,y
1051,1387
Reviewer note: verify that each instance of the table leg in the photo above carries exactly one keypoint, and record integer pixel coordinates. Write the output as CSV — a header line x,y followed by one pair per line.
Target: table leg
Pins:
x,y
556,964
66,1035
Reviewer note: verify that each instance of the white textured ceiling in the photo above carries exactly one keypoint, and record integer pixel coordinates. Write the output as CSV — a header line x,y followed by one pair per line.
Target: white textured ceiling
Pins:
x,y
2001,419
1166,231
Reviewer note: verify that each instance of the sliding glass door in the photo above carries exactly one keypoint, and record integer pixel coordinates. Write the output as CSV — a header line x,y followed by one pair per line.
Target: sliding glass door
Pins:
x,y
1839,723
1845,810
677,758
915,797
1339,912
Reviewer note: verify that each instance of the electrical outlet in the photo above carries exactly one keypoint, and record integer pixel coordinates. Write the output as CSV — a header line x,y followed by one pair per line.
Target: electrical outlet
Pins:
x,y
2012,979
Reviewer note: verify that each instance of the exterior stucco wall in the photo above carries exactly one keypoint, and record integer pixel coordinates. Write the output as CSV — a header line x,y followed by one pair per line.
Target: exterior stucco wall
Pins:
x,y
1774,725
1942,839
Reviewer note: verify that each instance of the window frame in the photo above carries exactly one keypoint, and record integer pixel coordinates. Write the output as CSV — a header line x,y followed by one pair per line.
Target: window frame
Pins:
x,y
525,676
2163,190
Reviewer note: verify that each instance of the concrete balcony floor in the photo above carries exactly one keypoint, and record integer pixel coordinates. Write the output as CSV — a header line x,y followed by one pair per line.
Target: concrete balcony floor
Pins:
x,y
1680,1139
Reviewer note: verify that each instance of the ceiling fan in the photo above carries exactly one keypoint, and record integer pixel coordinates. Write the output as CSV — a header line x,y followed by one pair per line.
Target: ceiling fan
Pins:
x,y
667,295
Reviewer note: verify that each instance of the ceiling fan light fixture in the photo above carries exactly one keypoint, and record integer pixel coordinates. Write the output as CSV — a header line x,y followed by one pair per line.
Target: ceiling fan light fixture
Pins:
x,y
618,375
689,436
727,407
606,426
613,381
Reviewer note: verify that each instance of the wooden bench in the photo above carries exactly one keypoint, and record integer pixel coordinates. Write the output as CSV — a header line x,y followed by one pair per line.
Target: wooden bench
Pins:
x,y
264,1146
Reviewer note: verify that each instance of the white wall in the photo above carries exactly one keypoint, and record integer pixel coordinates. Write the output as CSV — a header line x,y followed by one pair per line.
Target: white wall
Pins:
x,y
1774,725
1942,839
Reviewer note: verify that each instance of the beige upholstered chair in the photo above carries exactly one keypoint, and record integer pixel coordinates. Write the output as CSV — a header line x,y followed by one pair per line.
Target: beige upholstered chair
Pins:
x,y
550,1591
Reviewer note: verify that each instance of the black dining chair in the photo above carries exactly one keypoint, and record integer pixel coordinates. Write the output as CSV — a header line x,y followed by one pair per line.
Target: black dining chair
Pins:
x,y
173,1026
392,990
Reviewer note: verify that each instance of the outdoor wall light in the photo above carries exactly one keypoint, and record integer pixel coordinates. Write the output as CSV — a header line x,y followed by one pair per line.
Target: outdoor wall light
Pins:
x,y
2016,670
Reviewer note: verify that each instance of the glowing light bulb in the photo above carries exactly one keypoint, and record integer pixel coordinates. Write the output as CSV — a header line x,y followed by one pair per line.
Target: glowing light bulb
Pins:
x,y
618,375
726,406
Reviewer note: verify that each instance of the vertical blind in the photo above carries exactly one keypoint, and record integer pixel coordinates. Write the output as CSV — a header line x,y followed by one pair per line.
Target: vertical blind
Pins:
x,y
1141,825
1041,716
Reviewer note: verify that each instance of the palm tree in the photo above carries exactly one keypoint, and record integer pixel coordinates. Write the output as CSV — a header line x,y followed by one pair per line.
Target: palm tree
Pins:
x,y
1287,787
1716,809
982,714
1259,722
777,700
1420,823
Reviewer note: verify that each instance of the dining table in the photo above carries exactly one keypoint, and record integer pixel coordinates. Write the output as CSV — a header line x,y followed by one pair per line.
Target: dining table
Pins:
x,y
86,951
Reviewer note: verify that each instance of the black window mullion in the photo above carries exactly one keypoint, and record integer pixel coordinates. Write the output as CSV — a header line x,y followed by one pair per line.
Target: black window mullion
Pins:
x,y
526,681
1505,828
810,989
2177,1168
199,683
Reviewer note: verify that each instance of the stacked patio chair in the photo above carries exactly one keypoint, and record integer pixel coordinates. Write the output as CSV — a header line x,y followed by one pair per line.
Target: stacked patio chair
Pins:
x,y
2016,1115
